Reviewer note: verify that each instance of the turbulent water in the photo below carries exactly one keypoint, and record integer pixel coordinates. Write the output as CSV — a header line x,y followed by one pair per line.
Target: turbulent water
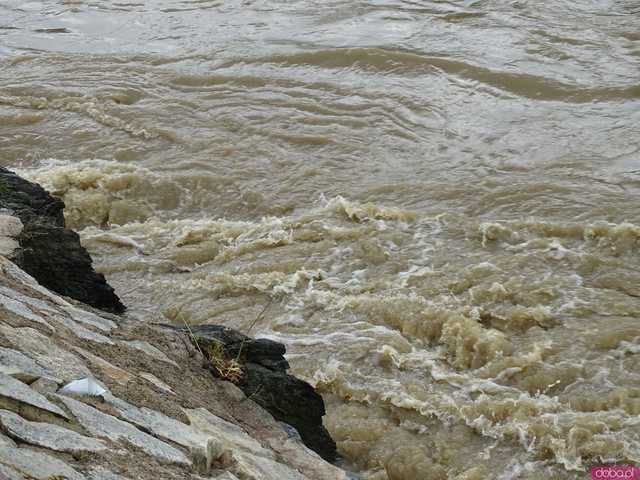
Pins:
x,y
436,202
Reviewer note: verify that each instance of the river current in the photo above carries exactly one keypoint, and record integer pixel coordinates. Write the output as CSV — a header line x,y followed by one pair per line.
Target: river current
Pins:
x,y
435,203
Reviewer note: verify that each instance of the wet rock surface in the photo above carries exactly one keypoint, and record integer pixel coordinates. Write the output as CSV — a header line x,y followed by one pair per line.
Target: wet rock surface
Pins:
x,y
47,250
266,381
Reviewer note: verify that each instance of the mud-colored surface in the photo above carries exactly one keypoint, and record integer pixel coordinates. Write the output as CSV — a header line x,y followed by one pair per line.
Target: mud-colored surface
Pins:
x,y
439,199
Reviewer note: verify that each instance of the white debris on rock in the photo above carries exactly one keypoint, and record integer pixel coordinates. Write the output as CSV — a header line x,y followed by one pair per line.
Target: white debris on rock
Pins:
x,y
84,386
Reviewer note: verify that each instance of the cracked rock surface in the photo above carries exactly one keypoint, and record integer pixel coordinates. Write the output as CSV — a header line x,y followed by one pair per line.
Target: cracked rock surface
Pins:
x,y
163,416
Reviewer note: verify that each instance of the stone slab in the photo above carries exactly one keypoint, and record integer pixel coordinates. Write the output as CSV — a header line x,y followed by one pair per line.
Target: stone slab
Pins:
x,y
107,426
36,465
157,382
91,319
4,440
57,362
48,436
80,331
16,391
116,374
20,310
19,366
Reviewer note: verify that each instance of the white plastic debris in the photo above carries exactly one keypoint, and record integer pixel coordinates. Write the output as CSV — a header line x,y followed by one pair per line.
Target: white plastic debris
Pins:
x,y
84,386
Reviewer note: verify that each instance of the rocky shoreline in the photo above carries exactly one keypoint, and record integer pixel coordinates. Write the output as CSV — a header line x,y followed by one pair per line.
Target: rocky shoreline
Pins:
x,y
265,380
153,411
48,251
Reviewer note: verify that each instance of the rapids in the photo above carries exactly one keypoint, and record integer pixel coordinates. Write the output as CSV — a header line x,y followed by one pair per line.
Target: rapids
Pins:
x,y
438,203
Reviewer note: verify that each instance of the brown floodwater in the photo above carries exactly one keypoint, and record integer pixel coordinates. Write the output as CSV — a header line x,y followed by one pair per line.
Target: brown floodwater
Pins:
x,y
438,202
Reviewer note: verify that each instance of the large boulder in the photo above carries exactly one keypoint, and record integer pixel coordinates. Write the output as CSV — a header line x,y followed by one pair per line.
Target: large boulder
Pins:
x,y
265,380
48,251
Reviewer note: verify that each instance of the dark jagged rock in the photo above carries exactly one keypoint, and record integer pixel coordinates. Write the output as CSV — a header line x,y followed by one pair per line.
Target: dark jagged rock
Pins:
x,y
292,401
260,351
48,251
266,381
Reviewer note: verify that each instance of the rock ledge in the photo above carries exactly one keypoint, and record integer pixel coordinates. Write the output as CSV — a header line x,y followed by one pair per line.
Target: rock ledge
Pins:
x,y
48,251
265,380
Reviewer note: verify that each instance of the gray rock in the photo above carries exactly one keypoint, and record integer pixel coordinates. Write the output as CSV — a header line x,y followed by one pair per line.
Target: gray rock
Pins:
x,y
226,476
38,304
101,473
18,373
208,437
230,434
204,456
16,395
150,350
265,380
116,374
36,465
59,364
7,473
11,271
253,460
249,458
107,426
204,448
290,431
90,319
80,331
10,228
4,440
48,436
20,310
18,365
8,245
45,385
157,382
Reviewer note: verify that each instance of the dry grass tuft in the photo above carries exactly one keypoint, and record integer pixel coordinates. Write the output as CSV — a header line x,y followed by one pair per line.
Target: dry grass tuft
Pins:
x,y
227,368
216,355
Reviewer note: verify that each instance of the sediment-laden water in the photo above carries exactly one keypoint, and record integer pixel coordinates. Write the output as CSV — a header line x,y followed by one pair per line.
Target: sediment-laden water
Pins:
x,y
436,202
